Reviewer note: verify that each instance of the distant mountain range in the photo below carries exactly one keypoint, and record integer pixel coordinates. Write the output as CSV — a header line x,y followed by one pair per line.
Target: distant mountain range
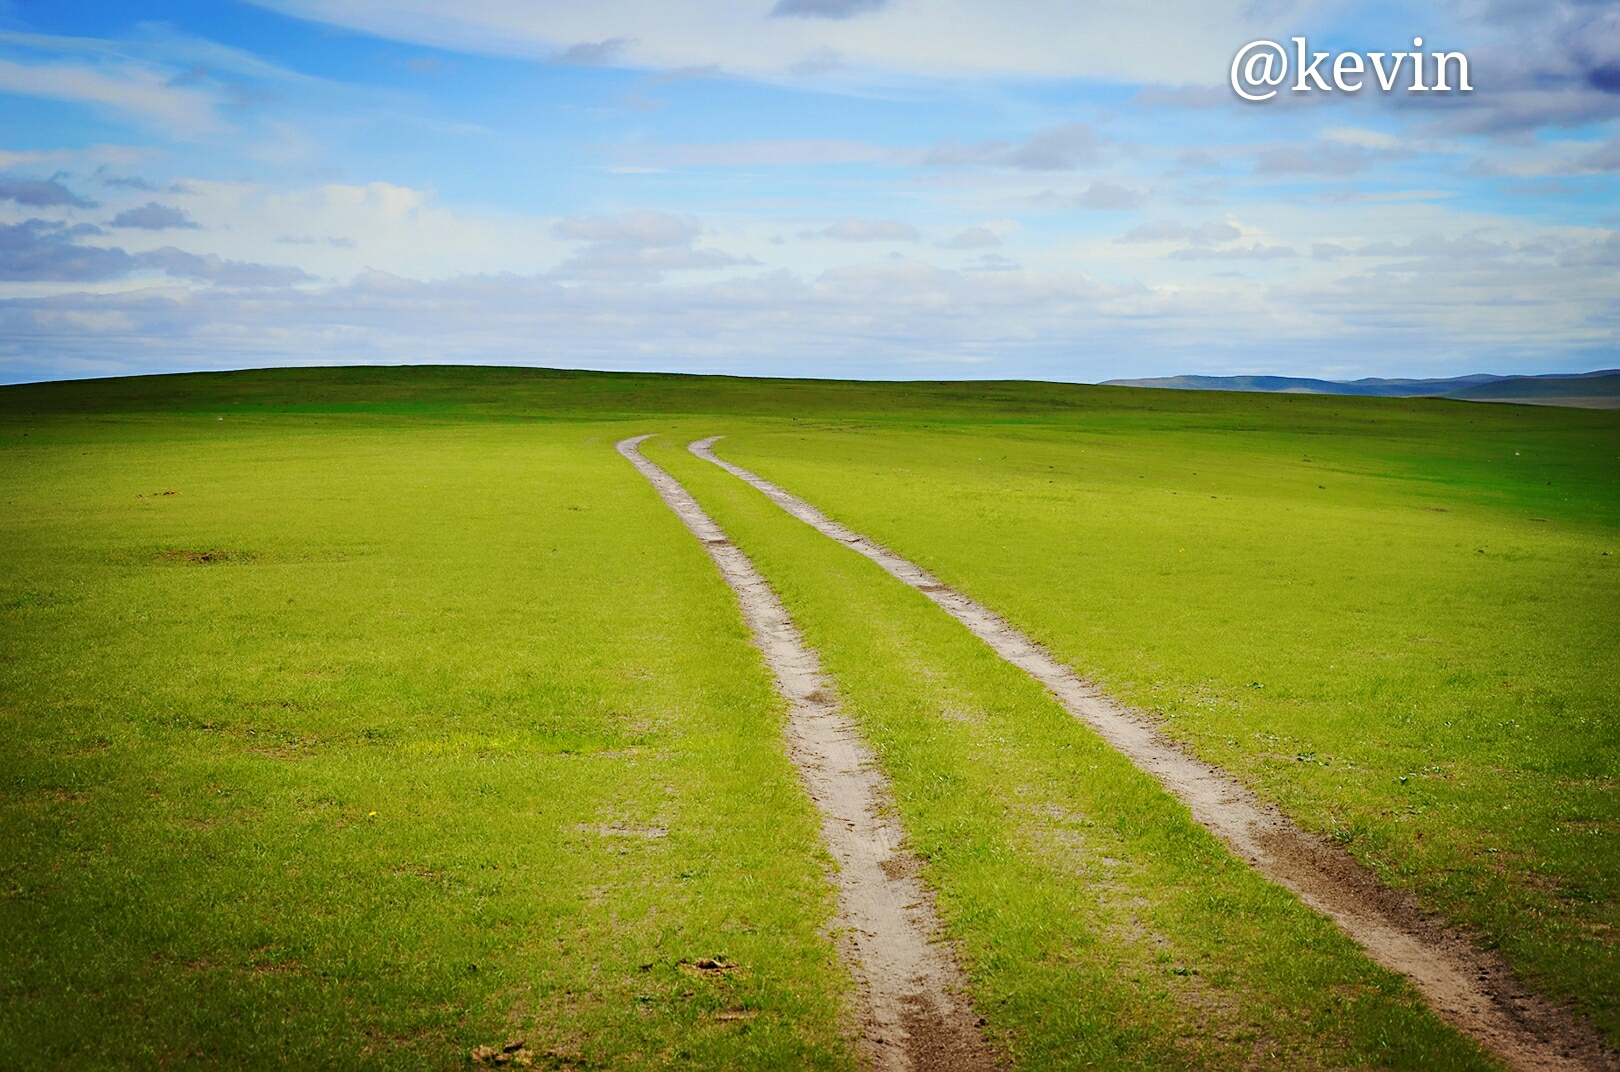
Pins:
x,y
1588,390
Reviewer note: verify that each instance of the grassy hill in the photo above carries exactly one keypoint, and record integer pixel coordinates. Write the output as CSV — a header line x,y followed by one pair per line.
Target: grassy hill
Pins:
x,y
357,717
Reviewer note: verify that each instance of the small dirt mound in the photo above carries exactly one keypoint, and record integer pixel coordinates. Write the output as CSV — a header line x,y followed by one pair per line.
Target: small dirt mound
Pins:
x,y
204,558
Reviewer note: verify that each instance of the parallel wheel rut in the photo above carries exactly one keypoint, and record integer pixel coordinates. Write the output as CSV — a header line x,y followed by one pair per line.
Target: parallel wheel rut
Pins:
x,y
1473,990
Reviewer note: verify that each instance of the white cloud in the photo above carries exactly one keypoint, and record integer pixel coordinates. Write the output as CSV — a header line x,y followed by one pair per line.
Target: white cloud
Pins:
x,y
888,318
1176,41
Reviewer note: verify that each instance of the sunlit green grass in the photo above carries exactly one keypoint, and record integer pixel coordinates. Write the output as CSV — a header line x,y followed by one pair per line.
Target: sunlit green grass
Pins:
x,y
1401,620
1101,926
361,742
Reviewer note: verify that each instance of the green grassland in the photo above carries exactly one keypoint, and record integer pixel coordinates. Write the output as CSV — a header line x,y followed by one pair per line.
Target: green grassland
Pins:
x,y
362,743
437,594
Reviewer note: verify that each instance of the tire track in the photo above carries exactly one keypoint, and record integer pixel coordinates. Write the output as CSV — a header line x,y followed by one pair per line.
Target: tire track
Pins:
x,y
914,1012
1473,990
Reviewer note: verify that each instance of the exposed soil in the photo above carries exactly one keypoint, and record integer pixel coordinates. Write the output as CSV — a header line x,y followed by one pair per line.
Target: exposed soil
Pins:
x,y
1471,989
914,1012
203,558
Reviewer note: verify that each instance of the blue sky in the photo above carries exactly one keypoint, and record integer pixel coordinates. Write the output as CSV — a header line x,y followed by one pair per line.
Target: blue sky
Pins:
x,y
878,188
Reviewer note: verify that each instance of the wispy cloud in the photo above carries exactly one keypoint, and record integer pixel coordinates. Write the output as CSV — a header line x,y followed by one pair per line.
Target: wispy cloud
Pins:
x,y
165,80
821,61
1108,197
10,159
636,247
593,53
128,182
1321,158
1059,148
1256,252
1166,231
783,153
127,88
972,238
683,74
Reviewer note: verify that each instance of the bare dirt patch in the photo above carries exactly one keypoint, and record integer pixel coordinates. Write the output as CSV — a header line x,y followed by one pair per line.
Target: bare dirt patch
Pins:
x,y
204,558
1472,989
914,1013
